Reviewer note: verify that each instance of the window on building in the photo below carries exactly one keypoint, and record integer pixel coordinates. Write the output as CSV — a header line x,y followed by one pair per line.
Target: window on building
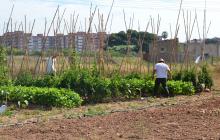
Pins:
x,y
162,50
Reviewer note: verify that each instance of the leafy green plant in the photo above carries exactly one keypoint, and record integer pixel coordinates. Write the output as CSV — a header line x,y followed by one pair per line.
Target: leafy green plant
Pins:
x,y
190,76
204,77
24,79
3,67
94,88
47,81
181,88
42,96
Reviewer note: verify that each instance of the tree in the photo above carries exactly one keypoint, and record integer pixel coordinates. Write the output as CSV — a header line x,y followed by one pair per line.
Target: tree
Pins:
x,y
120,38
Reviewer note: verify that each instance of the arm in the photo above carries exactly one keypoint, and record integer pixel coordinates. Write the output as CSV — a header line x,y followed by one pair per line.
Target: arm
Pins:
x,y
154,71
169,73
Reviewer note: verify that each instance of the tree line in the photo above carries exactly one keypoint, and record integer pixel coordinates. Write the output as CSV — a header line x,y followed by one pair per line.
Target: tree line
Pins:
x,y
121,38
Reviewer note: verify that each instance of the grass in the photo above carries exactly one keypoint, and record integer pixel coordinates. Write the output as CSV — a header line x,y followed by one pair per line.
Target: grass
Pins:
x,y
128,66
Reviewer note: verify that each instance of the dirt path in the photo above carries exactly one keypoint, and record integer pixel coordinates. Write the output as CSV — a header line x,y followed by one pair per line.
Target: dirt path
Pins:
x,y
192,120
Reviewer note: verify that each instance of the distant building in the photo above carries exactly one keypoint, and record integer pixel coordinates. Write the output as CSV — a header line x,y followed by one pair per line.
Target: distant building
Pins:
x,y
79,40
210,50
166,49
15,39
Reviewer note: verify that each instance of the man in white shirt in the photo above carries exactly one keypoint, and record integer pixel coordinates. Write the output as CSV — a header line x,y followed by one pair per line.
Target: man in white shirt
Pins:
x,y
161,69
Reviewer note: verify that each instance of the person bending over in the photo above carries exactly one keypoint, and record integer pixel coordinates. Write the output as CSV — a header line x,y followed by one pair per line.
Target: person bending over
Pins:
x,y
162,70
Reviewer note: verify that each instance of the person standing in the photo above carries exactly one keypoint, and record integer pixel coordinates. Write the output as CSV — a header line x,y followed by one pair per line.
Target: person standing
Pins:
x,y
162,70
51,65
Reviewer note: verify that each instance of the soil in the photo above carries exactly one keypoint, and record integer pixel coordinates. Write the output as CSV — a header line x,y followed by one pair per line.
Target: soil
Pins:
x,y
191,120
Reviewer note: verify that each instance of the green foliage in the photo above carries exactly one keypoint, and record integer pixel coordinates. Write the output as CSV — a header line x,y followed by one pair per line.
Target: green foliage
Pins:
x,y
190,76
181,88
8,113
41,96
16,51
177,75
94,111
94,88
117,39
46,81
197,79
3,63
69,79
5,82
186,76
27,79
204,77
133,75
24,79
122,50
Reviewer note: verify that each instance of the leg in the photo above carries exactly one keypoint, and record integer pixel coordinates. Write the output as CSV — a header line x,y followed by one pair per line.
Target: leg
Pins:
x,y
164,85
156,87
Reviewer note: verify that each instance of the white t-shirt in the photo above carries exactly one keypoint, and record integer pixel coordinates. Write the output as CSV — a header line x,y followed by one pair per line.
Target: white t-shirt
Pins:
x,y
161,70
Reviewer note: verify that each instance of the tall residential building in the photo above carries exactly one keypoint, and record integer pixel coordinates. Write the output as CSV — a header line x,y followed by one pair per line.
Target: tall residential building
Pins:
x,y
79,40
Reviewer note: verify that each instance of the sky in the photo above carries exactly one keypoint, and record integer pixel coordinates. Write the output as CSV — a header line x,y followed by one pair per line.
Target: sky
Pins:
x,y
141,10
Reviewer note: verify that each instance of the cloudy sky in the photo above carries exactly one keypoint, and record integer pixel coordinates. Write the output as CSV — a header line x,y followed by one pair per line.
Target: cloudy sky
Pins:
x,y
141,9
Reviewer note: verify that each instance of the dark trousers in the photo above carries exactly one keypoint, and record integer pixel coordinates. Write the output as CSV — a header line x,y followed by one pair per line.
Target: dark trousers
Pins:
x,y
162,81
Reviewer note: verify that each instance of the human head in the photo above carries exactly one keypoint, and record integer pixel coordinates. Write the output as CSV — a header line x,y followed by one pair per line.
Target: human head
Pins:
x,y
161,60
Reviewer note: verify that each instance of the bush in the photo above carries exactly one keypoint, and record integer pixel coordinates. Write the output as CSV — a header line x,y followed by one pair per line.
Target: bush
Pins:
x,y
198,79
204,77
190,76
5,82
186,76
24,79
27,79
47,81
181,88
41,96
3,63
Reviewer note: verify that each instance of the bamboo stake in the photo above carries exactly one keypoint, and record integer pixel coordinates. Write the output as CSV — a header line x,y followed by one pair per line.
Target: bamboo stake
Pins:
x,y
39,61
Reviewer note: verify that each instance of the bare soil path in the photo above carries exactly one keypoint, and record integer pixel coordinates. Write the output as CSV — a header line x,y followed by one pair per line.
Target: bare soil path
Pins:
x,y
198,118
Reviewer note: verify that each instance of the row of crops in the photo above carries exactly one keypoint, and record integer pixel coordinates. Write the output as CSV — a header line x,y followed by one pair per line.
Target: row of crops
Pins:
x,y
78,86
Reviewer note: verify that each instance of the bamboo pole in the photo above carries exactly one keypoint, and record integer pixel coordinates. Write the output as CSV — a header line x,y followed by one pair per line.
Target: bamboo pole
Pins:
x,y
126,59
44,39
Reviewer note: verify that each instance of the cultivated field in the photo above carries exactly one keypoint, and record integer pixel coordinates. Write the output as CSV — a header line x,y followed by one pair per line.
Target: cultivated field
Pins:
x,y
181,117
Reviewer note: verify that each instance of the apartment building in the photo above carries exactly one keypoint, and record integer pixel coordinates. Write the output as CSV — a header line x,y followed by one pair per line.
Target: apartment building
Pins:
x,y
80,40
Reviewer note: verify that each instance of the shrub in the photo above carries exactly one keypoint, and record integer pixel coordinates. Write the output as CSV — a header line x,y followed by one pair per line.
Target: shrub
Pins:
x,y
3,67
190,76
69,79
177,76
114,87
41,96
181,88
24,79
101,90
47,81
5,82
204,77
186,76
132,88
